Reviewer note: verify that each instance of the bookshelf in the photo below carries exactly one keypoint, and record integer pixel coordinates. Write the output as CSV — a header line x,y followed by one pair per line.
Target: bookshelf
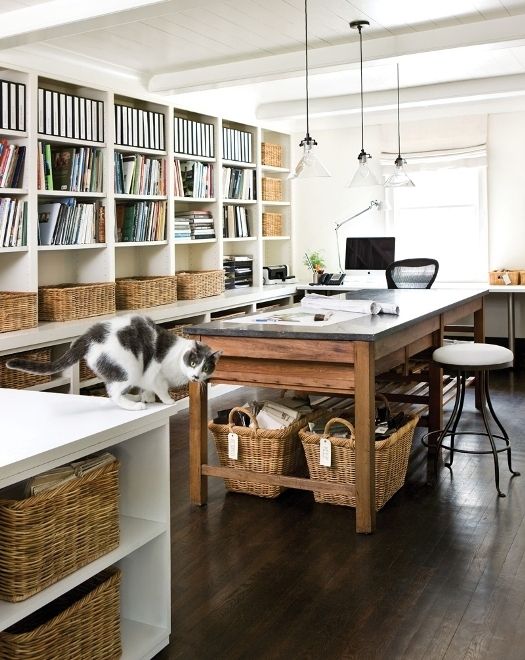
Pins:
x,y
112,126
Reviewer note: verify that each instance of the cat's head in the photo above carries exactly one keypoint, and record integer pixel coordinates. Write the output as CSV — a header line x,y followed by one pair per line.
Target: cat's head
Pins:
x,y
199,362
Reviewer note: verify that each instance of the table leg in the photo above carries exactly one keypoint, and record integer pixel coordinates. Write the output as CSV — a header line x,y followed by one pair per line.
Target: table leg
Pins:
x,y
479,337
198,442
511,322
435,408
365,437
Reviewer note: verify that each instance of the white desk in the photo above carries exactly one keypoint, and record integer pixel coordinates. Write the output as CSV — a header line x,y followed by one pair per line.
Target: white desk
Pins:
x,y
44,430
508,290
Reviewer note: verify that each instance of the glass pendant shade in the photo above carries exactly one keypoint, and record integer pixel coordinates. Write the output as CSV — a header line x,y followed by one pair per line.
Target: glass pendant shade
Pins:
x,y
399,178
363,175
309,166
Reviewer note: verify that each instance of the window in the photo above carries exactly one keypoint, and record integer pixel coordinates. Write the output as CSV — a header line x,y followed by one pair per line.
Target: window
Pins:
x,y
443,217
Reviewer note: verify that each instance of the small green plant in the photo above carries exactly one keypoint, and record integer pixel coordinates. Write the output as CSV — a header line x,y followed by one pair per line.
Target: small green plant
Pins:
x,y
314,261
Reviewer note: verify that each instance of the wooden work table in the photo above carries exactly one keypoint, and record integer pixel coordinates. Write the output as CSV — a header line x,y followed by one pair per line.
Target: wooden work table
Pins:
x,y
341,358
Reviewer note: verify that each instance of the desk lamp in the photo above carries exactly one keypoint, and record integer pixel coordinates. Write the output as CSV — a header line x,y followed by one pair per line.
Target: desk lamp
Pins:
x,y
338,225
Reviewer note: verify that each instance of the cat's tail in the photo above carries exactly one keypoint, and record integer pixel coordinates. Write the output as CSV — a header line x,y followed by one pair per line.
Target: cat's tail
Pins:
x,y
75,352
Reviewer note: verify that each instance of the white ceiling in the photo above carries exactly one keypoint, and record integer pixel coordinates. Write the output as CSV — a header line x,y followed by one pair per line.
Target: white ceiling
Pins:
x,y
253,50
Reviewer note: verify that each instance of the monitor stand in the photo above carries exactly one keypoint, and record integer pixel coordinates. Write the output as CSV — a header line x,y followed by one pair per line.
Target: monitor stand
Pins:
x,y
375,279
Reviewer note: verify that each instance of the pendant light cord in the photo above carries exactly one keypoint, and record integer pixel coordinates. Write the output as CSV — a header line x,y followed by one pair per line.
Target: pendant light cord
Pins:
x,y
361,68
306,66
398,122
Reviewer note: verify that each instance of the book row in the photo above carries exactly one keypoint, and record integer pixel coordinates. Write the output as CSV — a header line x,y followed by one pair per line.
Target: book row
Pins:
x,y
12,105
238,183
77,169
70,116
141,221
12,157
139,128
13,222
236,145
193,137
139,175
68,222
235,221
196,225
193,179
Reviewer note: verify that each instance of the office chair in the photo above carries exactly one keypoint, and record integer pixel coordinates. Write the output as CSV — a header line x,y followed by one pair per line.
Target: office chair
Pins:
x,y
412,273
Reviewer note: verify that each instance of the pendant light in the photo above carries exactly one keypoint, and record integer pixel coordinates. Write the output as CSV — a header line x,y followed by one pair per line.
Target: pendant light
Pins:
x,y
399,178
363,175
309,164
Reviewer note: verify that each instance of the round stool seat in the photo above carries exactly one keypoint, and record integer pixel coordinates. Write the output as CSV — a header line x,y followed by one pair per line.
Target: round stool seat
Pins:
x,y
476,357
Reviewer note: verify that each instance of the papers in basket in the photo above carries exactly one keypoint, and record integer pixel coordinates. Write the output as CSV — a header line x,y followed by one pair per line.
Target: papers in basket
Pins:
x,y
317,301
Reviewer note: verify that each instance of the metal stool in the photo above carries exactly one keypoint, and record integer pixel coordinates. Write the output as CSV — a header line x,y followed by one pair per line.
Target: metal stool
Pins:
x,y
479,358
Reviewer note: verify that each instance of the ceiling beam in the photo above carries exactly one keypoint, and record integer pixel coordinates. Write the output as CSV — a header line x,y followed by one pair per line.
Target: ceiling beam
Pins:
x,y
59,18
463,91
495,33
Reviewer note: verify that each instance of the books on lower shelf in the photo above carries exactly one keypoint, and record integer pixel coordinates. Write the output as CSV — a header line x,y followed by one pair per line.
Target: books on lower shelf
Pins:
x,y
235,221
69,222
238,183
68,168
194,225
193,179
136,174
280,414
12,157
140,221
13,222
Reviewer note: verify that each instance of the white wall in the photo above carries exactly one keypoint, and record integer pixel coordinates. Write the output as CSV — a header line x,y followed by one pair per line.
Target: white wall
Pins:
x,y
322,202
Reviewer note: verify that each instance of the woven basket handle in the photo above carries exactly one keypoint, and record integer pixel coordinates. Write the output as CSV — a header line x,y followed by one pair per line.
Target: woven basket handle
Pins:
x,y
246,412
339,420
383,399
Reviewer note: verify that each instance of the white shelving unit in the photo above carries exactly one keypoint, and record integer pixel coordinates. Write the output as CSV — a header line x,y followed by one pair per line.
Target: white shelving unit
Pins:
x,y
140,440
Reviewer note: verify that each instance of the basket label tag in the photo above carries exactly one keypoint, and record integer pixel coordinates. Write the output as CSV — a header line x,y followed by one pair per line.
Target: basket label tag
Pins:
x,y
233,446
325,452
506,278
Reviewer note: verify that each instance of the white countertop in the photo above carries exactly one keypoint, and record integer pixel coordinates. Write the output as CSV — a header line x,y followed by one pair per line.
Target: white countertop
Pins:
x,y
41,430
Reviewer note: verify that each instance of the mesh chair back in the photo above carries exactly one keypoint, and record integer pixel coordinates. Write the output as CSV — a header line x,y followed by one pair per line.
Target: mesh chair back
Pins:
x,y
412,273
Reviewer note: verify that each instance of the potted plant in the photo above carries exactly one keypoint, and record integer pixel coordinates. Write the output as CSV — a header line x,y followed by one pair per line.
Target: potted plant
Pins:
x,y
314,262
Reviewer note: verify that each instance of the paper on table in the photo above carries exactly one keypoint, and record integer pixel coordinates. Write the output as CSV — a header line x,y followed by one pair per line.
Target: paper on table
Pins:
x,y
318,301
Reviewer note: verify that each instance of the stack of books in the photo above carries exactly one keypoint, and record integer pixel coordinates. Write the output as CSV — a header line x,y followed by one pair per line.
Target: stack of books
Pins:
x,y
280,414
195,225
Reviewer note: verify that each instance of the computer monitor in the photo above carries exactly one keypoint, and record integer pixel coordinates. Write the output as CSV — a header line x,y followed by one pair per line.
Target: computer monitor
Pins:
x,y
368,256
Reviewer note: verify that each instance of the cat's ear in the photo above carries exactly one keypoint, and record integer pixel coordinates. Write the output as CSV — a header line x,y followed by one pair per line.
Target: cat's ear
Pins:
x,y
215,356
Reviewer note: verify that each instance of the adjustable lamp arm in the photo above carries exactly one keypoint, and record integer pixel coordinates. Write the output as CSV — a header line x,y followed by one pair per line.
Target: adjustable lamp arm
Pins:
x,y
373,203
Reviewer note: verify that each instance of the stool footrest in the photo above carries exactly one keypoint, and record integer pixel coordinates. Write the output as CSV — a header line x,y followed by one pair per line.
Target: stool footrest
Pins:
x,y
424,441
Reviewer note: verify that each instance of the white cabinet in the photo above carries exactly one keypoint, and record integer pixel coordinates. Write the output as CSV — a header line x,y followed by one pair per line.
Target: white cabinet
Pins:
x,y
41,431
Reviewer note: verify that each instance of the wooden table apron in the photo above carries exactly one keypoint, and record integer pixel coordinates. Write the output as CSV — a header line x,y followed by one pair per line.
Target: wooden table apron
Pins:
x,y
331,366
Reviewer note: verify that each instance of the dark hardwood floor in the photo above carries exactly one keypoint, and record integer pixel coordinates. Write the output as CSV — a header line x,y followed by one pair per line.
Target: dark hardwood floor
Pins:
x,y
443,576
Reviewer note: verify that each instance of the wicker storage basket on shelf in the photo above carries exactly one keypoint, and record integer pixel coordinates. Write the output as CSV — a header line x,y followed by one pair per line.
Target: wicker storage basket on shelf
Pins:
x,y
272,224
391,461
140,292
18,310
83,624
497,276
270,451
199,284
85,371
178,329
67,302
50,535
18,380
271,154
272,189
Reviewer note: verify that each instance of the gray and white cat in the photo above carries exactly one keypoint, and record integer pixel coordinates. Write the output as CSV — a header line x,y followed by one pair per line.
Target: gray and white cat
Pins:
x,y
129,352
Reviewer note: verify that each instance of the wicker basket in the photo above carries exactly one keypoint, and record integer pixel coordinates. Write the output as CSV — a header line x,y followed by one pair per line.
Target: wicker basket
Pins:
x,y
272,224
271,154
67,302
85,372
18,310
199,284
140,292
18,380
178,393
50,535
272,189
391,461
83,624
496,276
270,451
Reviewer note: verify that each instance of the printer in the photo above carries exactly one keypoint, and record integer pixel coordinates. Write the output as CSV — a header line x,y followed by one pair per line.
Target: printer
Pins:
x,y
277,275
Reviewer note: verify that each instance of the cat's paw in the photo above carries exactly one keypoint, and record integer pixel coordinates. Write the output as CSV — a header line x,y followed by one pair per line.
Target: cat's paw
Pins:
x,y
132,405
148,397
